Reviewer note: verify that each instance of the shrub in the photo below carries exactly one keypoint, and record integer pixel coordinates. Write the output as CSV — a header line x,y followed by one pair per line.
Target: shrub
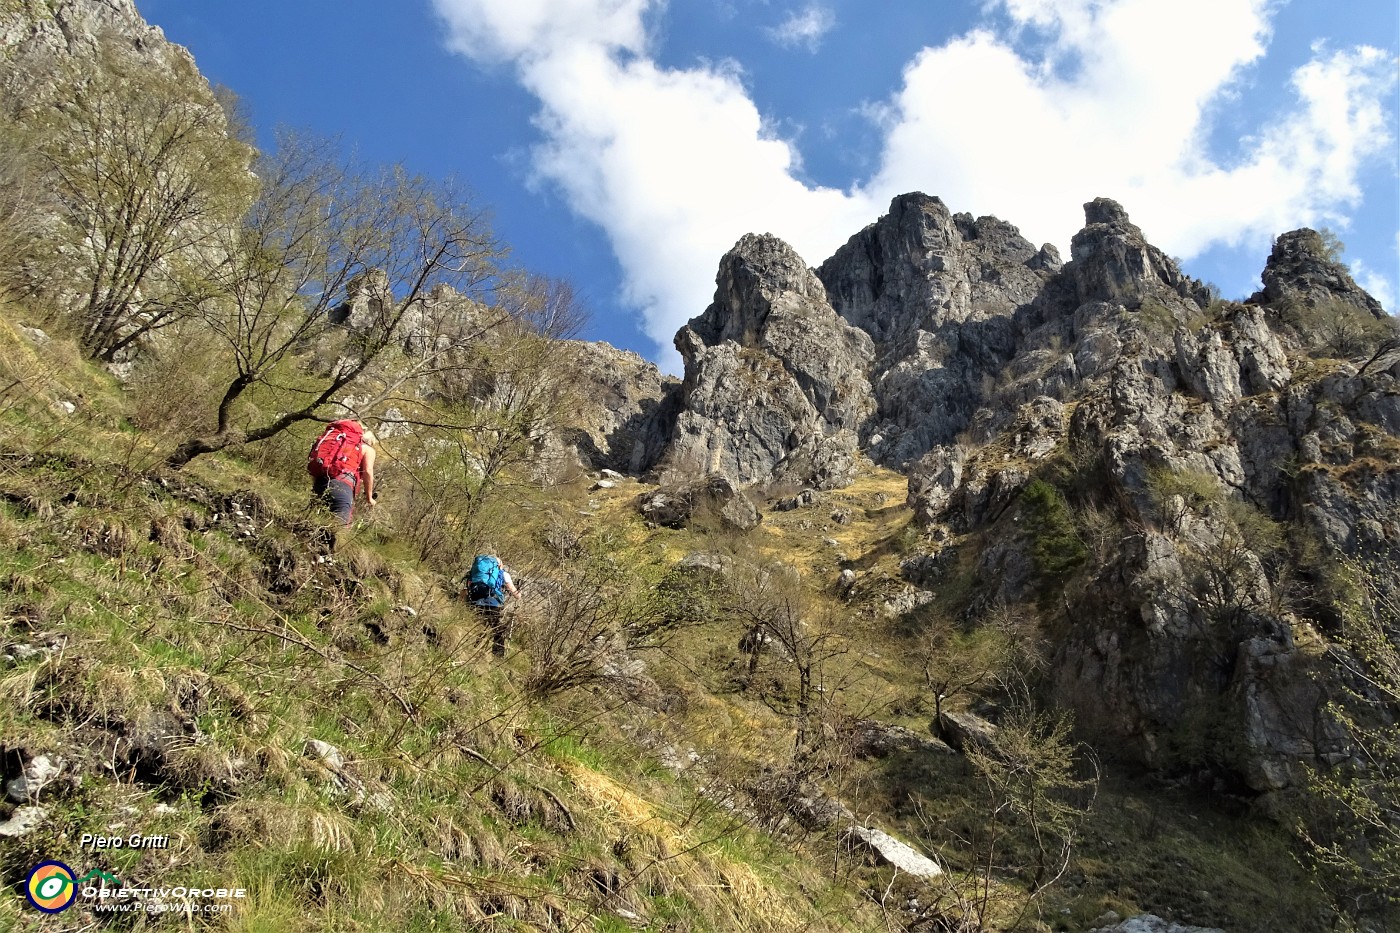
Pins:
x,y
1353,831
1056,548
1175,492
1336,329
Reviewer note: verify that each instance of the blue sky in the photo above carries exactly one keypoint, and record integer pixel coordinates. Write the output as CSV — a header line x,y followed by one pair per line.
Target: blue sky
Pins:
x,y
626,144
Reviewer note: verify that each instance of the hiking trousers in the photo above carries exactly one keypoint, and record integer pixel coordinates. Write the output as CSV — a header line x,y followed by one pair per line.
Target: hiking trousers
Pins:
x,y
338,494
497,624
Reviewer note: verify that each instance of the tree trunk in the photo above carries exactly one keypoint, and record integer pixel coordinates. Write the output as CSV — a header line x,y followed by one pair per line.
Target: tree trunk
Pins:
x,y
198,446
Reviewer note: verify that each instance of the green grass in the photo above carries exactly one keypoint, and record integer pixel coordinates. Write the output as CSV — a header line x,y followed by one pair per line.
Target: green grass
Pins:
x,y
466,805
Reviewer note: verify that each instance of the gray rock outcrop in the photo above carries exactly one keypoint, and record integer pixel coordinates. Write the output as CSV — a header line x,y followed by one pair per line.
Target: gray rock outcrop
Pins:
x,y
712,499
1187,421
1299,270
940,294
625,408
775,382
72,34
1111,261
964,730
620,407
713,567
369,300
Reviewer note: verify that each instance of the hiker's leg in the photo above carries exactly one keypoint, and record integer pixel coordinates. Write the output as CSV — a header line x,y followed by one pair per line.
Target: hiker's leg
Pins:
x,y
496,619
488,619
505,625
340,496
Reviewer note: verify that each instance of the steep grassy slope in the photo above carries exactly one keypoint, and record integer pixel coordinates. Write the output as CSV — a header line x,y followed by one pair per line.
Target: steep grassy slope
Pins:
x,y
179,645
311,717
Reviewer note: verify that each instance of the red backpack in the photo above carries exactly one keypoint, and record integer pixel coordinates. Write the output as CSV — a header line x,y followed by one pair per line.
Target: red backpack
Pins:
x,y
337,452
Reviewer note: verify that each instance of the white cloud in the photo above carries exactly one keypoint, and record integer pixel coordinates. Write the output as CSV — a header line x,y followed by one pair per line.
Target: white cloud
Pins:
x,y
1129,122
676,164
525,30
1377,284
806,27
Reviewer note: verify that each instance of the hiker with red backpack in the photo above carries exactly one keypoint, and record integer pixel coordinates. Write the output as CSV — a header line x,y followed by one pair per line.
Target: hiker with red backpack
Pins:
x,y
486,587
341,459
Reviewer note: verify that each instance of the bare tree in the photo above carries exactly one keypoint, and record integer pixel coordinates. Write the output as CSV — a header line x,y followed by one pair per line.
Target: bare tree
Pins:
x,y
589,613
495,403
1353,829
545,306
1038,785
1226,547
957,662
148,177
779,624
1338,329
325,235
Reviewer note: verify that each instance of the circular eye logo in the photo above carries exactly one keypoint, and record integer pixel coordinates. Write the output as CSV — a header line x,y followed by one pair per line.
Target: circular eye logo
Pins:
x,y
51,887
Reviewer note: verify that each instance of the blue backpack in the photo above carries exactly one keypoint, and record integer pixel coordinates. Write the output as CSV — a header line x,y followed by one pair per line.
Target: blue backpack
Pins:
x,y
486,581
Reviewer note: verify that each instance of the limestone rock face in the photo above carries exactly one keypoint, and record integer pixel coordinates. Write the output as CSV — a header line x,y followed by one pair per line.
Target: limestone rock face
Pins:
x,y
992,365
36,38
626,405
621,405
939,293
1189,423
1299,270
63,63
920,266
369,300
775,382
1078,330
1113,262
1198,653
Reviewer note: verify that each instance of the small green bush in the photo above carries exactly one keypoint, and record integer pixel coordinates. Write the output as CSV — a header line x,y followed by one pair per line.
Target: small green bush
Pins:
x,y
1057,548
1175,492
1336,329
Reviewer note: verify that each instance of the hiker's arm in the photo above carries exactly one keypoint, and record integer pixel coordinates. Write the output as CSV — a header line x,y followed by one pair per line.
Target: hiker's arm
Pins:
x,y
367,473
508,584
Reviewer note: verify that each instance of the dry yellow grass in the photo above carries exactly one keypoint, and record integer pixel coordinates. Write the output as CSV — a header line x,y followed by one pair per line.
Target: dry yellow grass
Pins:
x,y
616,802
696,864
875,502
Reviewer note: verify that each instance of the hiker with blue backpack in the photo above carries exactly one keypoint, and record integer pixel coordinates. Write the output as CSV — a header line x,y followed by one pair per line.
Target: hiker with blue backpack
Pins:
x,y
487,585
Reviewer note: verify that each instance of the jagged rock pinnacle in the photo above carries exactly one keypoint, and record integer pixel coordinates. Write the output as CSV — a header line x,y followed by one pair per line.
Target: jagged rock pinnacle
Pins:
x,y
1299,269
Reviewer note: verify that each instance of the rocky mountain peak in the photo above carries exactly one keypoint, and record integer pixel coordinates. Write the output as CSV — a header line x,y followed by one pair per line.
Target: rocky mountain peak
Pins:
x,y
756,272
1113,262
1107,211
921,266
775,381
1300,269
